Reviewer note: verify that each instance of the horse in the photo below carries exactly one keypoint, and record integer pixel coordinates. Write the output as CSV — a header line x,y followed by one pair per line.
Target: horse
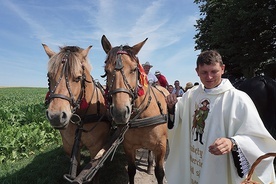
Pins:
x,y
135,106
76,106
262,91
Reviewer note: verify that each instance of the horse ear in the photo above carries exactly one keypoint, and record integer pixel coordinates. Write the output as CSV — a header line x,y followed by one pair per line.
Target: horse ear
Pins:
x,y
85,52
106,44
48,51
136,48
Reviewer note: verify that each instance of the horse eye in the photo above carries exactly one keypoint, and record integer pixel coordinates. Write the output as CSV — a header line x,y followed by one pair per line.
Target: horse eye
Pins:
x,y
134,70
77,79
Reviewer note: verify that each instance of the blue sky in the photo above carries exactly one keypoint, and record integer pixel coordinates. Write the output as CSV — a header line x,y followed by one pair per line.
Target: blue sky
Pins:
x,y
25,25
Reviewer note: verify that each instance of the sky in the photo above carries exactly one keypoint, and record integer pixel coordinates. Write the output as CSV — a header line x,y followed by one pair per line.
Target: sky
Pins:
x,y
25,25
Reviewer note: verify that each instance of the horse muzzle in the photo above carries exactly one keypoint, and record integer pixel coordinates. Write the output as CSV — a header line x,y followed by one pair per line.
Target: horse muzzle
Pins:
x,y
58,120
120,115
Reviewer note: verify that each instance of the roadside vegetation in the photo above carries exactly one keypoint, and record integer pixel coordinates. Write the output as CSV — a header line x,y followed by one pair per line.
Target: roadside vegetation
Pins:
x,y
24,131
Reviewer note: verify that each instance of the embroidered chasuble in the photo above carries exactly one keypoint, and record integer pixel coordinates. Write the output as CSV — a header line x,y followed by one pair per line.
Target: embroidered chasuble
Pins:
x,y
202,116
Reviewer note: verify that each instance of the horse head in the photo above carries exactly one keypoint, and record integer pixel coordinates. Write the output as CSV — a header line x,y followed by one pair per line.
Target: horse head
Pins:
x,y
123,70
68,71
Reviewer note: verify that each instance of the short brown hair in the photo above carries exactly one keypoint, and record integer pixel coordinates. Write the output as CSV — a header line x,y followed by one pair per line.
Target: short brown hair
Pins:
x,y
209,57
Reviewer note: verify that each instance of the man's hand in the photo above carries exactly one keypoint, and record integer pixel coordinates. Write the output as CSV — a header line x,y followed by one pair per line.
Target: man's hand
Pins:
x,y
221,146
171,100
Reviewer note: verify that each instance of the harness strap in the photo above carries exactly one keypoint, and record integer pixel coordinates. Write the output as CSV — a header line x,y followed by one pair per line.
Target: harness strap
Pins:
x,y
140,110
94,118
122,90
97,162
155,120
62,97
158,103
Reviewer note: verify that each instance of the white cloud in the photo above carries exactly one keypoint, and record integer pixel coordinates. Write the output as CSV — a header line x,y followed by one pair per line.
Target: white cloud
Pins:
x,y
38,30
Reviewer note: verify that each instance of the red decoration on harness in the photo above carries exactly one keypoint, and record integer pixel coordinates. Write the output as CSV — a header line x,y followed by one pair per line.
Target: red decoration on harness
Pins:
x,y
47,96
121,52
83,104
143,76
140,91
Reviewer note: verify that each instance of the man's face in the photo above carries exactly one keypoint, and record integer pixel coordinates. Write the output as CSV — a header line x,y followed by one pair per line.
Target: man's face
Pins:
x,y
210,75
170,89
146,68
176,83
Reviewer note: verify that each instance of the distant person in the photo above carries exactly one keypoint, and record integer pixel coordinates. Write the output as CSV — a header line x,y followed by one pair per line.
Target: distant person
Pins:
x,y
189,85
151,77
178,90
170,88
161,79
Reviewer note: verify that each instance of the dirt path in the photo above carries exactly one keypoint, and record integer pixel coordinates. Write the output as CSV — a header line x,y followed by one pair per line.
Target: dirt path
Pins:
x,y
115,171
142,177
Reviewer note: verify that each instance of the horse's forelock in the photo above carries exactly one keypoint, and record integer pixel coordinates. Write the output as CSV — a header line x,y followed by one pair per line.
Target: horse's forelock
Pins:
x,y
129,51
112,55
70,48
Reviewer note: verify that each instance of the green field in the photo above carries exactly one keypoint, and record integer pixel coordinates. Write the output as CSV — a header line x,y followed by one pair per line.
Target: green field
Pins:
x,y
30,149
25,132
24,128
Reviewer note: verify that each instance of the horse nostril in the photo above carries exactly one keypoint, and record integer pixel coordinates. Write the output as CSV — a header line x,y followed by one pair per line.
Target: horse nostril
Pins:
x,y
47,114
111,110
127,111
63,117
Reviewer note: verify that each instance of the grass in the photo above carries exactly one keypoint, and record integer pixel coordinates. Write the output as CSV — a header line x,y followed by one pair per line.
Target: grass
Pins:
x,y
46,167
50,166
24,128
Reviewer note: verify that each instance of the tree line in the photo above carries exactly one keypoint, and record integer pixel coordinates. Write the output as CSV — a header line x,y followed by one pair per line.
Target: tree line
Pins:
x,y
243,31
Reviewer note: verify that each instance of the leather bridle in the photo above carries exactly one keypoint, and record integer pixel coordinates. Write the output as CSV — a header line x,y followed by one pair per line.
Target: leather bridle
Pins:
x,y
75,103
136,120
119,68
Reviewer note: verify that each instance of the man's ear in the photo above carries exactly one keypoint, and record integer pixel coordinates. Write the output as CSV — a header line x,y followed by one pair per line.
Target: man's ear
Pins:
x,y
196,69
223,68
